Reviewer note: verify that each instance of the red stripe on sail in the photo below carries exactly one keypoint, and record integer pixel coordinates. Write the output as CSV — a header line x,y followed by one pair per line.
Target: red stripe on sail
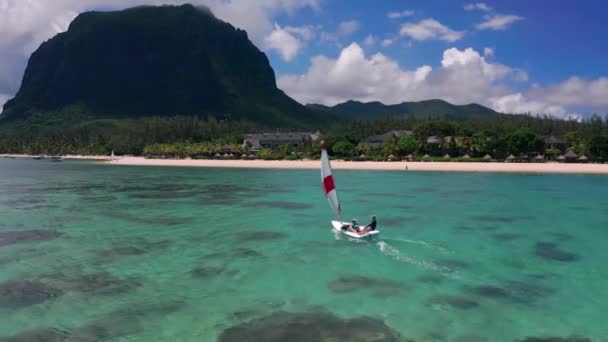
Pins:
x,y
328,184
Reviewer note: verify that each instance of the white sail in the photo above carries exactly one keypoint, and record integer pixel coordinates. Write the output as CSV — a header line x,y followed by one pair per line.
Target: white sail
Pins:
x,y
112,156
327,181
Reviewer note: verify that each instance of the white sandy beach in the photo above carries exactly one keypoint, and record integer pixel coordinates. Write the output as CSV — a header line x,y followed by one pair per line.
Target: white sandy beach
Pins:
x,y
390,166
350,165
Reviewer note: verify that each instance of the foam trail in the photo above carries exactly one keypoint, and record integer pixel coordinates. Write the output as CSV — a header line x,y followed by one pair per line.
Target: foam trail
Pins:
x,y
393,252
425,244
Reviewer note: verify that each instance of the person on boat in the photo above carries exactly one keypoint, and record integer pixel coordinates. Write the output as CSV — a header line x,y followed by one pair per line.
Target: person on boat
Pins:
x,y
371,226
353,227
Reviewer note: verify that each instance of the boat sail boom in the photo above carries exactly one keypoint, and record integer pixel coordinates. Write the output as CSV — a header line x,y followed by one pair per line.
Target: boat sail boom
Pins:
x,y
329,186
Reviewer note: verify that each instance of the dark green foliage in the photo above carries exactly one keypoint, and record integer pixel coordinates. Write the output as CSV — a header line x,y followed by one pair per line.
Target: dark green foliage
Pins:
x,y
343,148
598,146
524,140
147,61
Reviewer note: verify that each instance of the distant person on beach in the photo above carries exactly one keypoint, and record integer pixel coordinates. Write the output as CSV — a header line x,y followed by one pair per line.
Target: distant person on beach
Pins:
x,y
371,226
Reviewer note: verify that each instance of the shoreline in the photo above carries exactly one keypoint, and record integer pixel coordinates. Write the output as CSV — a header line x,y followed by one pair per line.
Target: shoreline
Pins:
x,y
495,167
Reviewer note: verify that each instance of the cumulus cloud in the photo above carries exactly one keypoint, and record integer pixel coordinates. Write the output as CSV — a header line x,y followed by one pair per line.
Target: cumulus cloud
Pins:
x,y
387,42
346,28
479,6
464,76
402,14
430,29
24,24
575,92
498,21
284,42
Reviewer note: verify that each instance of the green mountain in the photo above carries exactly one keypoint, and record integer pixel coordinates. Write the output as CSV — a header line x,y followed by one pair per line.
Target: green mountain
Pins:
x,y
429,108
155,61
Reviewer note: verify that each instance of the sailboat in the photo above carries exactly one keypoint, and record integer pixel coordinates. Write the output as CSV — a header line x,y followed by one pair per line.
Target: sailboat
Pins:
x,y
329,187
112,155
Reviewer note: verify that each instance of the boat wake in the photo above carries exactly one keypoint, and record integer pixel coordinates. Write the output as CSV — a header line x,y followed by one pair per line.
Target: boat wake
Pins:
x,y
436,248
397,255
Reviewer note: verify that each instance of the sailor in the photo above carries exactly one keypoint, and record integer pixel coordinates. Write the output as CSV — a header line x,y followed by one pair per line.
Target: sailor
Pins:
x,y
353,227
372,225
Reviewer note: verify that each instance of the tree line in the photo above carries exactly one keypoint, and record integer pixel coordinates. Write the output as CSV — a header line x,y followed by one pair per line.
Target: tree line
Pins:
x,y
69,132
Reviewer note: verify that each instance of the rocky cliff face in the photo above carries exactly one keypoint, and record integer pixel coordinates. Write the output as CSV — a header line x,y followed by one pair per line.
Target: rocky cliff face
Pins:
x,y
168,60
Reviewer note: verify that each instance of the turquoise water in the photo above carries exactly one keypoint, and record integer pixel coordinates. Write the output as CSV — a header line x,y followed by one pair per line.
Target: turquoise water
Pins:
x,y
115,253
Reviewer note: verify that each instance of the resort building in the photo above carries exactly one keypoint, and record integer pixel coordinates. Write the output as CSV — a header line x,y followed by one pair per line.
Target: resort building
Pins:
x,y
376,141
268,140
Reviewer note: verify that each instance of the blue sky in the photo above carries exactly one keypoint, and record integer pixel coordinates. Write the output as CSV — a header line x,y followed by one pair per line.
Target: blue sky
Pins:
x,y
516,56
555,40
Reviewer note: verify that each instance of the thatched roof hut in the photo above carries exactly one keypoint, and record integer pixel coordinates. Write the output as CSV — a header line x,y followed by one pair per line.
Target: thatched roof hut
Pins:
x,y
510,157
362,156
447,156
570,155
391,157
466,156
561,157
217,155
487,156
409,157
539,158
583,158
426,156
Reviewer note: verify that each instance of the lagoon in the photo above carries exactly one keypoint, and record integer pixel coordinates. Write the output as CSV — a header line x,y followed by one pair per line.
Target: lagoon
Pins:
x,y
91,251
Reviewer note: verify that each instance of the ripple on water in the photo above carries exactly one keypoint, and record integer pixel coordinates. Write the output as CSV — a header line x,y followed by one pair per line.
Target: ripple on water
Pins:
x,y
306,327
279,205
27,236
453,301
378,287
556,339
551,251
15,294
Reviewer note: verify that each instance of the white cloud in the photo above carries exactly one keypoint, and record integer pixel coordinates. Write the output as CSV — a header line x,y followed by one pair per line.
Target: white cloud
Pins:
x,y
305,32
402,14
480,6
24,24
517,103
346,28
488,52
575,92
430,29
387,42
464,76
284,42
498,21
370,40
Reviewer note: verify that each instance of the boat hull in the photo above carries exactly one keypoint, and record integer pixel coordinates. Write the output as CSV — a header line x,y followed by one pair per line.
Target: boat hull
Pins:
x,y
337,225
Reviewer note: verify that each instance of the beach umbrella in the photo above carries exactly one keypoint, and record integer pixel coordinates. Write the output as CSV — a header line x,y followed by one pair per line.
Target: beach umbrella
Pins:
x,y
487,156
447,156
511,157
217,155
391,157
561,157
409,156
362,155
583,158
539,157
426,156
466,156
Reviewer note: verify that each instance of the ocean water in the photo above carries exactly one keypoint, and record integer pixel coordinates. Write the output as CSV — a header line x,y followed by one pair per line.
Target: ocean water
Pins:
x,y
93,252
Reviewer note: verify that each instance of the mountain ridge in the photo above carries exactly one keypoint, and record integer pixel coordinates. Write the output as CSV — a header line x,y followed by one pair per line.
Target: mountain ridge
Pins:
x,y
353,109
